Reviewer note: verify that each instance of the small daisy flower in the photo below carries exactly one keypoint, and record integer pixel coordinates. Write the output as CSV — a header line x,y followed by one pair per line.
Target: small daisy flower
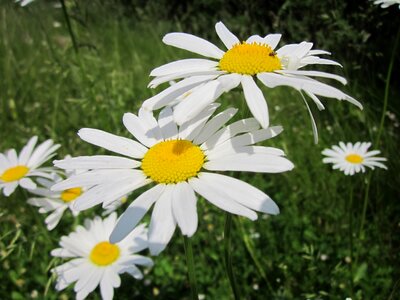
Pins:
x,y
95,261
55,202
386,3
16,169
240,65
352,159
179,160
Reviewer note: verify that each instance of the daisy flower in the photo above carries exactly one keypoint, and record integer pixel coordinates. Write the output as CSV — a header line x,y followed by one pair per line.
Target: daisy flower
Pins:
x,y
352,159
54,202
95,261
387,3
16,169
241,63
179,160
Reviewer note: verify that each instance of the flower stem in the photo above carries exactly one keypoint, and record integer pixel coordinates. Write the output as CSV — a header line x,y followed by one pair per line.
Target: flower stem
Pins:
x,y
387,87
228,256
351,243
190,265
68,21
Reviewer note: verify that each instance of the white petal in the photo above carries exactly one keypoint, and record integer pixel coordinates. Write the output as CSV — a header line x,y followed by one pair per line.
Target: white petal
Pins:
x,y
313,124
242,193
167,124
27,183
255,100
190,129
27,151
9,188
255,39
254,162
245,125
219,198
138,129
111,142
184,208
214,125
163,79
162,224
106,288
251,137
195,102
314,74
148,121
97,162
227,37
134,213
185,65
170,94
193,44
272,39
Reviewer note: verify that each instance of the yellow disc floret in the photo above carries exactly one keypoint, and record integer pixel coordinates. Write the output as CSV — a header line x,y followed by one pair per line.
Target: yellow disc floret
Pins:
x,y
14,173
104,254
173,161
354,158
71,194
250,59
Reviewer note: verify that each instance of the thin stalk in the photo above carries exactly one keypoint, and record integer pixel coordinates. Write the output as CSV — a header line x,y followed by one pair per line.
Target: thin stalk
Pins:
x,y
380,129
387,87
190,265
351,242
228,256
250,248
68,21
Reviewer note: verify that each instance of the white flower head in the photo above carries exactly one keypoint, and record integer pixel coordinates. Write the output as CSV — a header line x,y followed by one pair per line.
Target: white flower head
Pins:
x,y
17,169
240,64
95,261
180,161
55,202
352,159
386,3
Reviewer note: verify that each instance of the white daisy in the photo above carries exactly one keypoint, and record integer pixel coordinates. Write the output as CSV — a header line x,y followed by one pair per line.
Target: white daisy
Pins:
x,y
178,160
54,202
352,159
95,261
16,169
240,64
386,3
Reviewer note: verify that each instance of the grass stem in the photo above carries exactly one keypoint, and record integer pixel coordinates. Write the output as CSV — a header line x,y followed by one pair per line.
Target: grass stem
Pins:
x,y
68,21
228,255
190,265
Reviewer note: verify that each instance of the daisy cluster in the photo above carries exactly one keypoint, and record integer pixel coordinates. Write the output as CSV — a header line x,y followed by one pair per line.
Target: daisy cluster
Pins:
x,y
182,148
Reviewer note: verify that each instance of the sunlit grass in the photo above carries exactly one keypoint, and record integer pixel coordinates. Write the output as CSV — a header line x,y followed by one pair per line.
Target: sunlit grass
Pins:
x,y
48,90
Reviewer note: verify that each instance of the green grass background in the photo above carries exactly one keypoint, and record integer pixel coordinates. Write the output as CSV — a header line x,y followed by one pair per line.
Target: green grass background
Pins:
x,y
46,89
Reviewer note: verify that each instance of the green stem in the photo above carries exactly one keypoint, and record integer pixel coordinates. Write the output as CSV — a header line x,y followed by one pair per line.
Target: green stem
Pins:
x,y
228,256
365,206
250,248
351,242
190,265
68,21
387,87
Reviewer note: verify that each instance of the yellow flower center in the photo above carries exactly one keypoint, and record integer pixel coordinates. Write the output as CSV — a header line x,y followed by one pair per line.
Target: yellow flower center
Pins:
x,y
71,194
14,173
104,254
250,59
354,158
173,161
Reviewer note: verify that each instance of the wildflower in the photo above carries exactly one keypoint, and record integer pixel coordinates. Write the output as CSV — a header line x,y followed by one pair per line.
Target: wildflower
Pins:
x,y
386,3
24,2
95,261
180,161
240,64
17,169
352,159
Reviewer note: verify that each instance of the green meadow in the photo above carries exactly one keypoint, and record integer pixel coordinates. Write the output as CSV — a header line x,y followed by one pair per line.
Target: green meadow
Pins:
x,y
336,236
